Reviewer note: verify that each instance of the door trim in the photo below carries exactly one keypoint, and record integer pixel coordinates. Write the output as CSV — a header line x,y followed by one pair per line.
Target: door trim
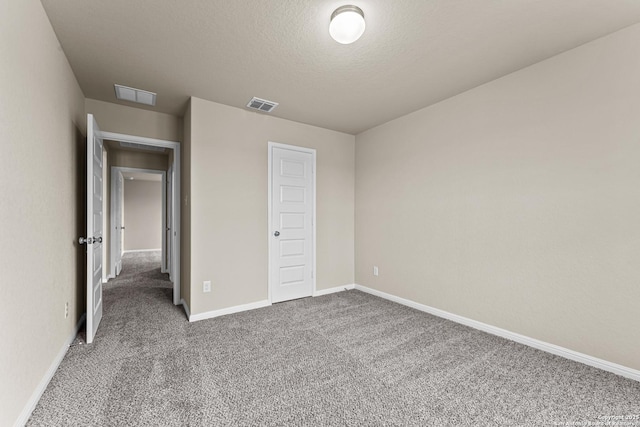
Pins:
x,y
115,170
175,202
271,146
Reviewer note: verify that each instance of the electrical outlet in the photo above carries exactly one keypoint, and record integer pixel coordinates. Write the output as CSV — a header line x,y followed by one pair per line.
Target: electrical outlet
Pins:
x,y
206,286
66,309
375,270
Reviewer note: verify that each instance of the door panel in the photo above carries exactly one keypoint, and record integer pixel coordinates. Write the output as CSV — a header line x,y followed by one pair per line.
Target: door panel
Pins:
x,y
167,224
94,228
119,229
291,230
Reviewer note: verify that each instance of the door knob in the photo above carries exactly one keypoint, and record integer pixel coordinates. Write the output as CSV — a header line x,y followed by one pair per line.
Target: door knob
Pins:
x,y
277,233
82,240
98,240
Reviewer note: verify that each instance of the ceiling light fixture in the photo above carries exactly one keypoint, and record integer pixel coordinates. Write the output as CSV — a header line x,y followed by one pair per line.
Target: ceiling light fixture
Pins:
x,y
347,24
132,94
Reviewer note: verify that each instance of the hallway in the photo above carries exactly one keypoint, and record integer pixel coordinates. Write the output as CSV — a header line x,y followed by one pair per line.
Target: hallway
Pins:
x,y
140,275
138,301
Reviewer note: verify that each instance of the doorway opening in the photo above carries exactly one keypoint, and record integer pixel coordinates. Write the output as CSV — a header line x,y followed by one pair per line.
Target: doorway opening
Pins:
x,y
139,198
96,240
169,179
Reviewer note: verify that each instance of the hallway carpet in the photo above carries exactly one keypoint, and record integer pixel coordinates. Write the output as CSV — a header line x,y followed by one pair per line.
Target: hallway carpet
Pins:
x,y
342,359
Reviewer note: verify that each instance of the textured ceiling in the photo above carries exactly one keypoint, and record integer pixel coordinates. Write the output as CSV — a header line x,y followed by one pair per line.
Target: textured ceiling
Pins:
x,y
413,53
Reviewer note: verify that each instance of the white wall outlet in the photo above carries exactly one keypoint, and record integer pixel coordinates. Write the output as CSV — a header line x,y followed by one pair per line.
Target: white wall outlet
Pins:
x,y
66,309
375,270
206,286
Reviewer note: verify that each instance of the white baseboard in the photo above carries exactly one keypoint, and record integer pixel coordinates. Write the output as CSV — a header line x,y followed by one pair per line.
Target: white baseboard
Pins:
x,y
253,305
333,290
44,382
229,310
522,339
185,306
130,251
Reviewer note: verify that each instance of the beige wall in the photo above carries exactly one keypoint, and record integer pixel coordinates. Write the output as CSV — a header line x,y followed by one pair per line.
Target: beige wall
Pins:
x,y
229,202
142,215
138,159
41,126
517,203
134,121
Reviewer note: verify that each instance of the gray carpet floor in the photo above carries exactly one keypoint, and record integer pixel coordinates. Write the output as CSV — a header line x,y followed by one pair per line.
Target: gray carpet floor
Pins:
x,y
342,359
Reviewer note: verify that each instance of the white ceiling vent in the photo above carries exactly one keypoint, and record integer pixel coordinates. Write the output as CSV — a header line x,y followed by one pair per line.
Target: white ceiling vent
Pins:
x,y
140,96
262,105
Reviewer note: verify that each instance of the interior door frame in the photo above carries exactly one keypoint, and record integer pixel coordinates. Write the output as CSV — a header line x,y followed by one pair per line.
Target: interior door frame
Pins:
x,y
113,213
175,193
270,231
115,170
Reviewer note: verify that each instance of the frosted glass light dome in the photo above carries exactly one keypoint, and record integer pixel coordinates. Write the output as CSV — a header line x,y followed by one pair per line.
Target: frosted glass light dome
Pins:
x,y
347,24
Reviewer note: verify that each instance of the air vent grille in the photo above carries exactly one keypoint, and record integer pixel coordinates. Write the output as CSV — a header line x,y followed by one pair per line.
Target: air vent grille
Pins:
x,y
262,105
132,94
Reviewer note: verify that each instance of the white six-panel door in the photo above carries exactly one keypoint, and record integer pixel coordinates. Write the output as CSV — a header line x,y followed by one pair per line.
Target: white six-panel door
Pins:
x,y
292,246
94,228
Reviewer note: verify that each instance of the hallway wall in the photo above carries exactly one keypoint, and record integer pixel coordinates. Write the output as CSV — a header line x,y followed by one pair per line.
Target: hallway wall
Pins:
x,y
41,181
142,215
134,121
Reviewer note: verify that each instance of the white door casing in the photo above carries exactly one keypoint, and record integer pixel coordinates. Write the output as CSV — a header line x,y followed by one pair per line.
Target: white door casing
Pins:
x,y
291,222
174,204
119,226
94,228
115,242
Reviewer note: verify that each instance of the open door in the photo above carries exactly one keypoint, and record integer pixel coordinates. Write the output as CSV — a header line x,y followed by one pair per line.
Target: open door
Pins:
x,y
168,242
119,227
94,228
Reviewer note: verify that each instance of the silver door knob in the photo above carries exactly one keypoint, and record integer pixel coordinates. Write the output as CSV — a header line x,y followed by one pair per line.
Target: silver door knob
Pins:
x,y
98,240
82,240
277,233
